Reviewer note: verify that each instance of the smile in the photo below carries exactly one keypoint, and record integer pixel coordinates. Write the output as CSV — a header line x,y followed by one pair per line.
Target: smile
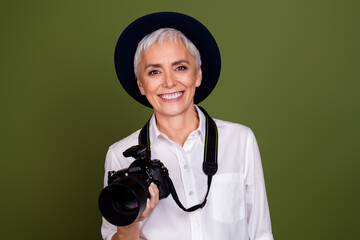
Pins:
x,y
171,96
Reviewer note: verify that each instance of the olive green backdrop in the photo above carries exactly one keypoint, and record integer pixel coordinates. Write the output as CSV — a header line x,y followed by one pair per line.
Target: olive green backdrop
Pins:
x,y
290,72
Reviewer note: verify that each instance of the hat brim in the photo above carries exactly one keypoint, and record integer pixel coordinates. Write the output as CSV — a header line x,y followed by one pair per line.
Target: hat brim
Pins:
x,y
190,27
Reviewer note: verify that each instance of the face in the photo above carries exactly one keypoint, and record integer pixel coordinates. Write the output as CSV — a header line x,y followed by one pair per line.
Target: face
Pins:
x,y
168,78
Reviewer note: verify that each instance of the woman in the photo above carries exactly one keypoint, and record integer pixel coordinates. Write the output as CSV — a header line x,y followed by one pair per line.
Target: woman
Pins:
x,y
177,64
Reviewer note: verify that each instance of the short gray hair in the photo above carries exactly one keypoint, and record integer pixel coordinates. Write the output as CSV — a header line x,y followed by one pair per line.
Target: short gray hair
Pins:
x,y
159,36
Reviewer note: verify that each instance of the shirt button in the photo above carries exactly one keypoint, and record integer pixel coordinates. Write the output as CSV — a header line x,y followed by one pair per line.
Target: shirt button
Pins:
x,y
191,193
185,166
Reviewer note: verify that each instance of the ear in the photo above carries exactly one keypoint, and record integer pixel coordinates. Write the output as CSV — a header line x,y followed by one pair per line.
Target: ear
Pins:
x,y
198,78
140,86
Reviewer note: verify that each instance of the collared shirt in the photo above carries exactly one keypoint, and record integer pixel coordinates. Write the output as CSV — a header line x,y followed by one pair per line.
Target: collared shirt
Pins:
x,y
237,206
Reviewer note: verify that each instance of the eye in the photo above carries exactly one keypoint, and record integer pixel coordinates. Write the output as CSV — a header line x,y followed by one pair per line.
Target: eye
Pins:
x,y
181,68
153,72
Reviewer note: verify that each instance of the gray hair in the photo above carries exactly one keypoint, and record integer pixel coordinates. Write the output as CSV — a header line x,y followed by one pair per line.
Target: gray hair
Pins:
x,y
159,36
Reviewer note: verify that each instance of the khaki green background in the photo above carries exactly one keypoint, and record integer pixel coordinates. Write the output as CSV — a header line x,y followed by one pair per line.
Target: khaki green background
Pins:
x,y
290,72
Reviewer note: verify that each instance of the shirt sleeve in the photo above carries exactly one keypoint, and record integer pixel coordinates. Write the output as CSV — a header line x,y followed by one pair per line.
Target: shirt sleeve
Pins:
x,y
111,163
257,210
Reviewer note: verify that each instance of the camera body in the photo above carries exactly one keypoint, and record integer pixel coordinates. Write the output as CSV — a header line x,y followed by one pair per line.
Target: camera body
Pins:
x,y
124,199
143,168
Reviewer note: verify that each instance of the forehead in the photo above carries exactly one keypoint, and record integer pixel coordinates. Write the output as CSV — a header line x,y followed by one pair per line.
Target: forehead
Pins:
x,y
166,50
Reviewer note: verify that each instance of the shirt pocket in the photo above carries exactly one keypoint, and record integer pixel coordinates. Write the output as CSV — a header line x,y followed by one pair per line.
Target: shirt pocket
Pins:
x,y
227,197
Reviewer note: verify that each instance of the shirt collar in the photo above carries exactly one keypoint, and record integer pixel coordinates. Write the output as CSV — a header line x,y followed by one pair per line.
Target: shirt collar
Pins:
x,y
202,124
155,133
153,130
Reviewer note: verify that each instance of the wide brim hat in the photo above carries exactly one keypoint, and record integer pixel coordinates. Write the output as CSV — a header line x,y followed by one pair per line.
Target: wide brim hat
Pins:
x,y
195,31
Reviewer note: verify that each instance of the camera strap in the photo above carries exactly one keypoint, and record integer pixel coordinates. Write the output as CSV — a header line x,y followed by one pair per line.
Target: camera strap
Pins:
x,y
210,165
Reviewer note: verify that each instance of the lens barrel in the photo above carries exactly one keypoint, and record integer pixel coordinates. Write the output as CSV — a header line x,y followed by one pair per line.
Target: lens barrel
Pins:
x,y
123,201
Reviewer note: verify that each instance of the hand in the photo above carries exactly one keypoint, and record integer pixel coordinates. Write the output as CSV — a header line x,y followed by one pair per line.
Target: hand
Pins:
x,y
132,231
151,203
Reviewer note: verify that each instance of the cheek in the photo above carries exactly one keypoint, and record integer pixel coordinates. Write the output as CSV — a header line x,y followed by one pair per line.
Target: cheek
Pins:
x,y
149,88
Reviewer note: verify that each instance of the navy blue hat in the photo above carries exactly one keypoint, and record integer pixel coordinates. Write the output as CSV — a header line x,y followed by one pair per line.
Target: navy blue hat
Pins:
x,y
196,32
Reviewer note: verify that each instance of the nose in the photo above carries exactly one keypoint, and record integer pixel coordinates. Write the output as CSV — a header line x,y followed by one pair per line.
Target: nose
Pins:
x,y
169,80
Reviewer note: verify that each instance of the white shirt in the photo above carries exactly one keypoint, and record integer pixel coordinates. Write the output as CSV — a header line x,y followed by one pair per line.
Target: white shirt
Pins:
x,y
237,206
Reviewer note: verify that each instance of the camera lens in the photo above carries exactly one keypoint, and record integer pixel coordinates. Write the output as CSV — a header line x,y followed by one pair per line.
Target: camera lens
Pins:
x,y
124,200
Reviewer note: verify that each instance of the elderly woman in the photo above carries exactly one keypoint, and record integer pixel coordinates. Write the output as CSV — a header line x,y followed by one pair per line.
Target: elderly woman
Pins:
x,y
170,62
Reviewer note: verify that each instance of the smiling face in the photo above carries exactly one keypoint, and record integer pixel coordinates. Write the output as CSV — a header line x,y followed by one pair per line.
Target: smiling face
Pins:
x,y
168,77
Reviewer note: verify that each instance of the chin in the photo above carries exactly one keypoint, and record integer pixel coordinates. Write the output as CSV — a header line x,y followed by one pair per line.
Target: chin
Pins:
x,y
172,110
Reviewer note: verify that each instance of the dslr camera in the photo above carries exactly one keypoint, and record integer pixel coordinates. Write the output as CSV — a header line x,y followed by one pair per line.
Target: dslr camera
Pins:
x,y
124,199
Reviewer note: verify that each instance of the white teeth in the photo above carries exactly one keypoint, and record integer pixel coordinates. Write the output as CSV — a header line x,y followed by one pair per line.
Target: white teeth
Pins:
x,y
171,96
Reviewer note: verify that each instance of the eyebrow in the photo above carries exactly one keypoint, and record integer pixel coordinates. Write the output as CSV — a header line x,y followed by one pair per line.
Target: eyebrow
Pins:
x,y
152,65
157,65
179,62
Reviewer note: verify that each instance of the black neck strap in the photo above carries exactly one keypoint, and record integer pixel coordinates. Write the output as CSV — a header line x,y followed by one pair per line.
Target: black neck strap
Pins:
x,y
210,165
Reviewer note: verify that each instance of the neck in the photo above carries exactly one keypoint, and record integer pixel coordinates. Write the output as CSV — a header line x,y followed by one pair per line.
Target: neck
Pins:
x,y
178,127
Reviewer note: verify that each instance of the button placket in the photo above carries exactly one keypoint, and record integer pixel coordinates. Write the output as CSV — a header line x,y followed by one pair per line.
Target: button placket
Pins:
x,y
189,143
187,178
196,226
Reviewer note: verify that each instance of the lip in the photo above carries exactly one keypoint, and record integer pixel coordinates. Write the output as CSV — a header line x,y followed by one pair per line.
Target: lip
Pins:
x,y
172,97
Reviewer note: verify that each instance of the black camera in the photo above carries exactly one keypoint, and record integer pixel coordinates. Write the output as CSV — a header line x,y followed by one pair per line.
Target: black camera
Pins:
x,y
124,199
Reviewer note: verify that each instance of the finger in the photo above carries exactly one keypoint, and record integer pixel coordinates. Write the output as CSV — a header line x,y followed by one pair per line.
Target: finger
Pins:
x,y
146,211
150,203
154,195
